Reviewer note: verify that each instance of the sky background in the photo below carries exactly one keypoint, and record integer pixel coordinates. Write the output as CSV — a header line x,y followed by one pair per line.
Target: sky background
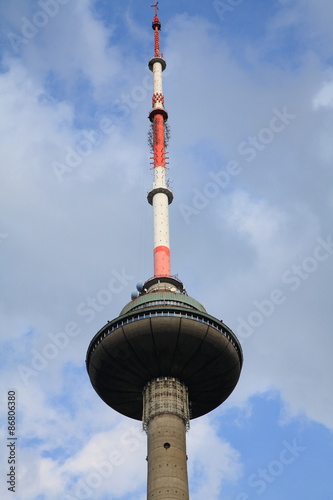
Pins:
x,y
249,91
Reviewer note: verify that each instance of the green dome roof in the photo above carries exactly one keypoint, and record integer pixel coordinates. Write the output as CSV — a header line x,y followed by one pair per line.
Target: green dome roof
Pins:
x,y
163,298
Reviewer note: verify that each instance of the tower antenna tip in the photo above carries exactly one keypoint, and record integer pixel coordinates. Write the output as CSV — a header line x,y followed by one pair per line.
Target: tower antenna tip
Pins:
x,y
155,7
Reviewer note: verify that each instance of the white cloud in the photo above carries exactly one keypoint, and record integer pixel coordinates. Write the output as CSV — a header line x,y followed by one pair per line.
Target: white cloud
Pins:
x,y
82,50
113,461
253,218
109,463
212,461
324,97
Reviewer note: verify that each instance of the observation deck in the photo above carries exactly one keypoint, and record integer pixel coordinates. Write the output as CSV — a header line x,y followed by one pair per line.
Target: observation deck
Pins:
x,y
164,333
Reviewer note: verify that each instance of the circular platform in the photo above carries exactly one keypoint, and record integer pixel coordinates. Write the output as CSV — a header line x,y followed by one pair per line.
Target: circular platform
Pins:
x,y
164,334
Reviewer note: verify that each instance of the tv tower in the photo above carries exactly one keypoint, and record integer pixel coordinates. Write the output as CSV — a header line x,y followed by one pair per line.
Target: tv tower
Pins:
x,y
164,360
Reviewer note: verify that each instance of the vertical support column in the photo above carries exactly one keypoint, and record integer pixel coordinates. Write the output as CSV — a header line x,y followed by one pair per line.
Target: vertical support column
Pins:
x,y
165,419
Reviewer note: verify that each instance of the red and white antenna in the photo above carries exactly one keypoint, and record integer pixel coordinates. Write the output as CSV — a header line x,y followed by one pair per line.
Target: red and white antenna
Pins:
x,y
160,195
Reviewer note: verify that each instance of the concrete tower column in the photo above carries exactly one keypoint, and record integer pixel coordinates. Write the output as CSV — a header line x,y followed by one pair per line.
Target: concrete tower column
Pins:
x,y
165,419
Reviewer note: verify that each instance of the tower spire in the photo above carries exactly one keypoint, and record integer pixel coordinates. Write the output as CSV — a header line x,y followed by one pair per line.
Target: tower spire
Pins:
x,y
156,27
160,195
156,8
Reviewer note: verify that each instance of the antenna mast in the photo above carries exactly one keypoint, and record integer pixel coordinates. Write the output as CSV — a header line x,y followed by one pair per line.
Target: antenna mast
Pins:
x,y
160,195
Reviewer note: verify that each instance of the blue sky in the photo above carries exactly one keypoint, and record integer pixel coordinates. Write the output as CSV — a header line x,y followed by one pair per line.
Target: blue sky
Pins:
x,y
249,91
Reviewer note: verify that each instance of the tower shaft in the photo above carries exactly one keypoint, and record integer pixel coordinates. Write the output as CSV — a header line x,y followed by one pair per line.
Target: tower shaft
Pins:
x,y
165,418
